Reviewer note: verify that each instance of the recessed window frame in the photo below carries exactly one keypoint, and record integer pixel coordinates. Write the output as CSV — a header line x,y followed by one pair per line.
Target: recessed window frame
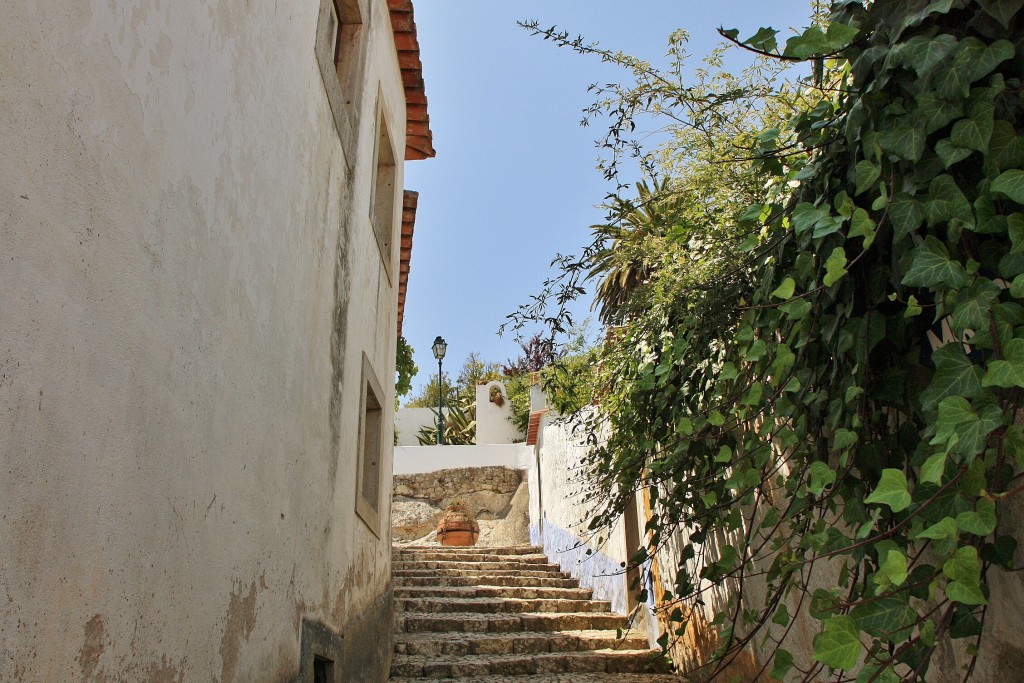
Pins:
x,y
384,190
341,49
370,444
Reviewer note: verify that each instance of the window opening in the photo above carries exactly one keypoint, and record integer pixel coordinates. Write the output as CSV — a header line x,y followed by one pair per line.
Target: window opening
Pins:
x,y
382,194
371,451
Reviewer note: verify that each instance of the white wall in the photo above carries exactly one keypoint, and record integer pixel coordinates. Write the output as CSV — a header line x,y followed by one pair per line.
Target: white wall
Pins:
x,y
493,422
416,459
189,276
408,422
560,513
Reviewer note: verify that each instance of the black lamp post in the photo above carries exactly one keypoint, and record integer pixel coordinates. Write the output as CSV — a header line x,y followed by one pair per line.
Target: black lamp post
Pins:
x,y
440,346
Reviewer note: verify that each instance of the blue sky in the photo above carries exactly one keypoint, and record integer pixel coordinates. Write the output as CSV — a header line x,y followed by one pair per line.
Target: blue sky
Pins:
x,y
514,179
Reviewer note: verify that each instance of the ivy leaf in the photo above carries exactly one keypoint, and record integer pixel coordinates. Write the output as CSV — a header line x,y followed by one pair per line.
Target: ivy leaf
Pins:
x,y
893,569
976,131
891,490
931,266
945,528
785,290
913,308
933,468
923,53
835,266
862,226
906,214
1010,183
964,594
1009,372
973,60
865,175
821,476
839,35
838,646
764,39
1002,10
806,216
963,566
973,310
936,111
946,201
955,375
783,663
882,618
797,309
843,438
906,142
810,43
949,153
981,521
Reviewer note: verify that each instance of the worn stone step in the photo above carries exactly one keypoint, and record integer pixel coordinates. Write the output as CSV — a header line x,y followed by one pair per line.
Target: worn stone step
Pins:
x,y
511,565
535,570
540,558
477,591
577,677
471,622
470,550
594,661
498,605
433,580
525,642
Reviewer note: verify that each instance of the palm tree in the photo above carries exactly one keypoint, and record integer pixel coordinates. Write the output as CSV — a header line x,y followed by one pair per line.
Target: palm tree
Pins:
x,y
625,260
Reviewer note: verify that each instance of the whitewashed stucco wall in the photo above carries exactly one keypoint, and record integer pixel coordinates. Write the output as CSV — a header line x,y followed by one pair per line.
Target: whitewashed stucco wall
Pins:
x,y
493,422
417,459
182,237
408,422
561,512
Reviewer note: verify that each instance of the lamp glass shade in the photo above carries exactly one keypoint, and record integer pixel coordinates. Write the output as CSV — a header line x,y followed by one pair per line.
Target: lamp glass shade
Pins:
x,y
440,347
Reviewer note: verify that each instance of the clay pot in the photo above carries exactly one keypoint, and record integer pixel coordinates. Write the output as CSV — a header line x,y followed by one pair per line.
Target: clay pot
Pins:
x,y
457,527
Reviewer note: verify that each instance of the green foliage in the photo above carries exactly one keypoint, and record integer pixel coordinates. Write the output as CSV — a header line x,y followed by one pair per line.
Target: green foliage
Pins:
x,y
404,367
459,424
427,396
774,387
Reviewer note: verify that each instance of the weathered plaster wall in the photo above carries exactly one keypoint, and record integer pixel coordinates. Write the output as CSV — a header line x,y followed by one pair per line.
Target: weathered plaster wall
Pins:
x,y
189,277
494,422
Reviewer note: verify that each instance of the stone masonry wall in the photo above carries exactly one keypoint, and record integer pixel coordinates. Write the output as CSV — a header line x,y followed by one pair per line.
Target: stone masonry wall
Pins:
x,y
490,494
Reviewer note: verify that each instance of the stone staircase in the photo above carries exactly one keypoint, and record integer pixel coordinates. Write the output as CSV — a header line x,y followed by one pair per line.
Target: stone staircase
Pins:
x,y
500,615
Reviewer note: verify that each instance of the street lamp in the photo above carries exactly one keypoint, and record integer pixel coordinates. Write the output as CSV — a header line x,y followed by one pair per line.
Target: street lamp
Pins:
x,y
440,346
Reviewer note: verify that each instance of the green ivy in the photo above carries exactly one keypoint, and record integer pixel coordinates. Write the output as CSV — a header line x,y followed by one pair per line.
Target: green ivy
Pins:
x,y
848,394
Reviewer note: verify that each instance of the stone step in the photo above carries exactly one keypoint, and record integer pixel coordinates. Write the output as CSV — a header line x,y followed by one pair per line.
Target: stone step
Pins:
x,y
578,677
498,605
511,565
593,661
525,642
488,580
470,550
477,591
471,622
539,558
536,570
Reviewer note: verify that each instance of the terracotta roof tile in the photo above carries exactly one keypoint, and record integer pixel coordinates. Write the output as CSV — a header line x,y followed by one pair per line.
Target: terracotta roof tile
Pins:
x,y
419,142
409,201
533,430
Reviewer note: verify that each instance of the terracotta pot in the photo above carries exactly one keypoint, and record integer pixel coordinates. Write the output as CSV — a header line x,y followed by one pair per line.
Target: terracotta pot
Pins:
x,y
457,527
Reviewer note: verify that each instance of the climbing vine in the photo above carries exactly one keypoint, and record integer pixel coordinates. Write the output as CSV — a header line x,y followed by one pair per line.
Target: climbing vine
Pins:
x,y
830,421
